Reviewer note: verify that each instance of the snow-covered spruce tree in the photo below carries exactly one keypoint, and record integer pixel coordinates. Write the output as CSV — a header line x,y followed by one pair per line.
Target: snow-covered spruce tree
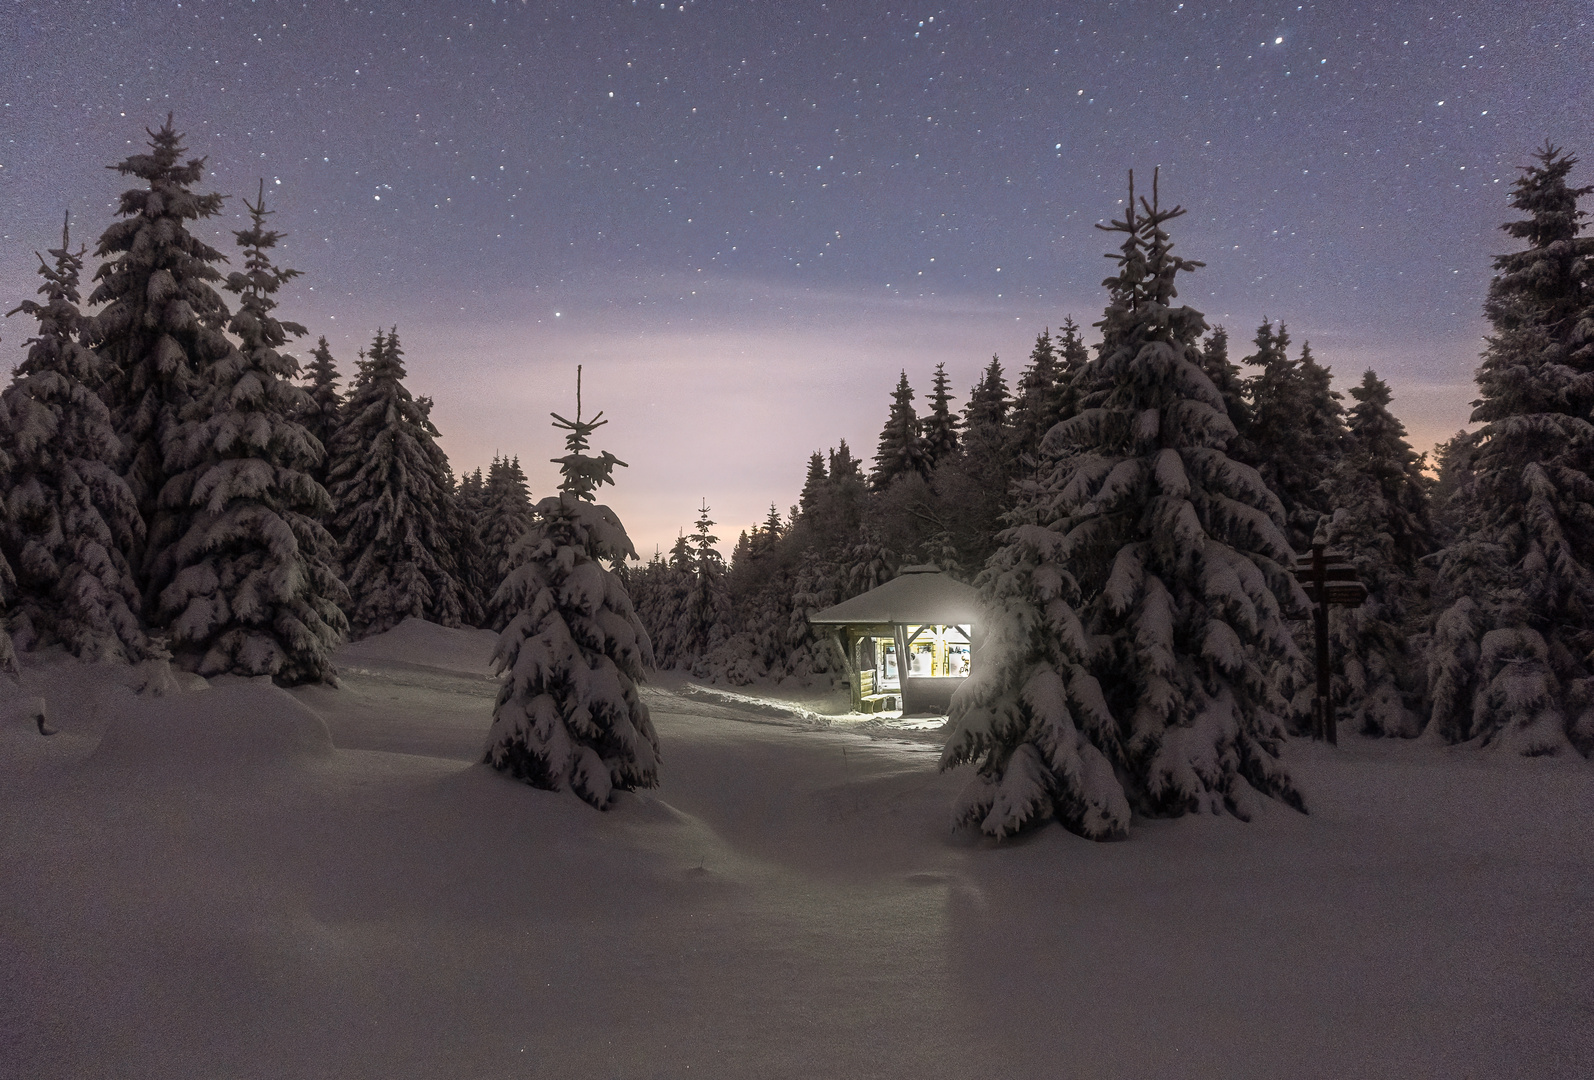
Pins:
x,y
71,517
814,588
254,586
705,619
868,563
761,592
940,427
1072,359
320,418
1226,376
667,598
469,516
508,516
813,483
568,713
1509,665
1036,398
1382,522
1133,603
1297,430
391,486
162,322
974,485
8,582
901,451
1452,461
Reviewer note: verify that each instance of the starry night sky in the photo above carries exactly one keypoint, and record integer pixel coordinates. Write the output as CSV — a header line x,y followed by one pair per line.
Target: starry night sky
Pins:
x,y
745,218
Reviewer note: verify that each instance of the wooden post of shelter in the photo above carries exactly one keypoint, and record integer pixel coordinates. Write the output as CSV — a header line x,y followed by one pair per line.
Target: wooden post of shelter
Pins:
x,y
1329,578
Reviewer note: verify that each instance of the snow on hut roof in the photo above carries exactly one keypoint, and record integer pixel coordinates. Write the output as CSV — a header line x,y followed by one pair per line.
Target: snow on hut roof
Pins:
x,y
918,595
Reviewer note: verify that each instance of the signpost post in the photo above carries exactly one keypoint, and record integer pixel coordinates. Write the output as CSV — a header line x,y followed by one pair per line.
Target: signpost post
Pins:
x,y
1329,578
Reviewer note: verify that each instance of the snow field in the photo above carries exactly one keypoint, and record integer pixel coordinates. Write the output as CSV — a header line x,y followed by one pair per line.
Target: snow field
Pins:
x,y
247,882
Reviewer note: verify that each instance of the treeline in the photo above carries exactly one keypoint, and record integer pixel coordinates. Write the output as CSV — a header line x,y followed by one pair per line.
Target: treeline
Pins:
x,y
173,487
944,486
1479,620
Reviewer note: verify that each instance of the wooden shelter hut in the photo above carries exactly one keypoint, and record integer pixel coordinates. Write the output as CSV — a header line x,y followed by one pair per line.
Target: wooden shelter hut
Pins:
x,y
908,642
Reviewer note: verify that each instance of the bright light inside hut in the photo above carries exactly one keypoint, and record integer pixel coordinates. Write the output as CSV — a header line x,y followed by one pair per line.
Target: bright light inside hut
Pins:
x,y
938,652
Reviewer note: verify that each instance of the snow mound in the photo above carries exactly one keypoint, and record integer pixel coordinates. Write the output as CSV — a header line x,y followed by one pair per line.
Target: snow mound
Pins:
x,y
241,723
752,708
425,644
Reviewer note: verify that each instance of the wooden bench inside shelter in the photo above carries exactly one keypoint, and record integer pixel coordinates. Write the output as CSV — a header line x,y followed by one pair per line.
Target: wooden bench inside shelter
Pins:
x,y
869,700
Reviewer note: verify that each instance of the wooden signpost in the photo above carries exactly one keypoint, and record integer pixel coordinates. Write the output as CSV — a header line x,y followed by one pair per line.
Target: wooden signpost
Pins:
x,y
1329,578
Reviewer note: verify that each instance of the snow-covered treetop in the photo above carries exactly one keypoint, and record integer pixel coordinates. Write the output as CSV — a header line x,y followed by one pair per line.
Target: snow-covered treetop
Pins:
x,y
60,285
259,281
172,248
582,473
1146,271
709,560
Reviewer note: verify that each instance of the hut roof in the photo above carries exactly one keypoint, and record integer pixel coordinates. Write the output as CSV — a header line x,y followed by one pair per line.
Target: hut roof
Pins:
x,y
918,595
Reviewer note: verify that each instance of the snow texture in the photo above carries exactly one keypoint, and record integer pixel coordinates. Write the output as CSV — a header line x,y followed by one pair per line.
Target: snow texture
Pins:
x,y
787,904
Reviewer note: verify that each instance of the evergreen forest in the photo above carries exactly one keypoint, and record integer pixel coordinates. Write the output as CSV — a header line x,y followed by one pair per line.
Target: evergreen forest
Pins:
x,y
179,486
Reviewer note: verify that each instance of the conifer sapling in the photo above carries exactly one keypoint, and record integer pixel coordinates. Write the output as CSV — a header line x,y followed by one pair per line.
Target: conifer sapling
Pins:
x,y
568,715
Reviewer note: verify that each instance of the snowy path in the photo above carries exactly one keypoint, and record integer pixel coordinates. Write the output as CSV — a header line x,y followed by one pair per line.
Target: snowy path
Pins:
x,y
789,904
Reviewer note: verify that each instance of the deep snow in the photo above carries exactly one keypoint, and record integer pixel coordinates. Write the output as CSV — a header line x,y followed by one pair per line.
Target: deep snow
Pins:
x,y
247,882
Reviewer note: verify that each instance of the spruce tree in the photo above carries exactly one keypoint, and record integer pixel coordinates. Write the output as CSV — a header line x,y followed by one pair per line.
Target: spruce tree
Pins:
x,y
868,563
1453,468
254,588
988,402
1296,431
8,581
1036,398
1072,359
840,508
973,486
508,513
320,419
391,485
1382,523
1133,603
162,323
568,714
470,514
769,536
940,428
814,587
900,451
681,557
1510,660
1226,376
813,483
707,611
661,604
70,516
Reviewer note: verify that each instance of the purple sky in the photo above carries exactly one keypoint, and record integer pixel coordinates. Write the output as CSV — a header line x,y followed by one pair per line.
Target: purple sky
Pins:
x,y
746,218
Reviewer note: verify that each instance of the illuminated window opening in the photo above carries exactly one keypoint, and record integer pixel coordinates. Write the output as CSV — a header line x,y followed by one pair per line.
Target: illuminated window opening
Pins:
x,y
939,652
